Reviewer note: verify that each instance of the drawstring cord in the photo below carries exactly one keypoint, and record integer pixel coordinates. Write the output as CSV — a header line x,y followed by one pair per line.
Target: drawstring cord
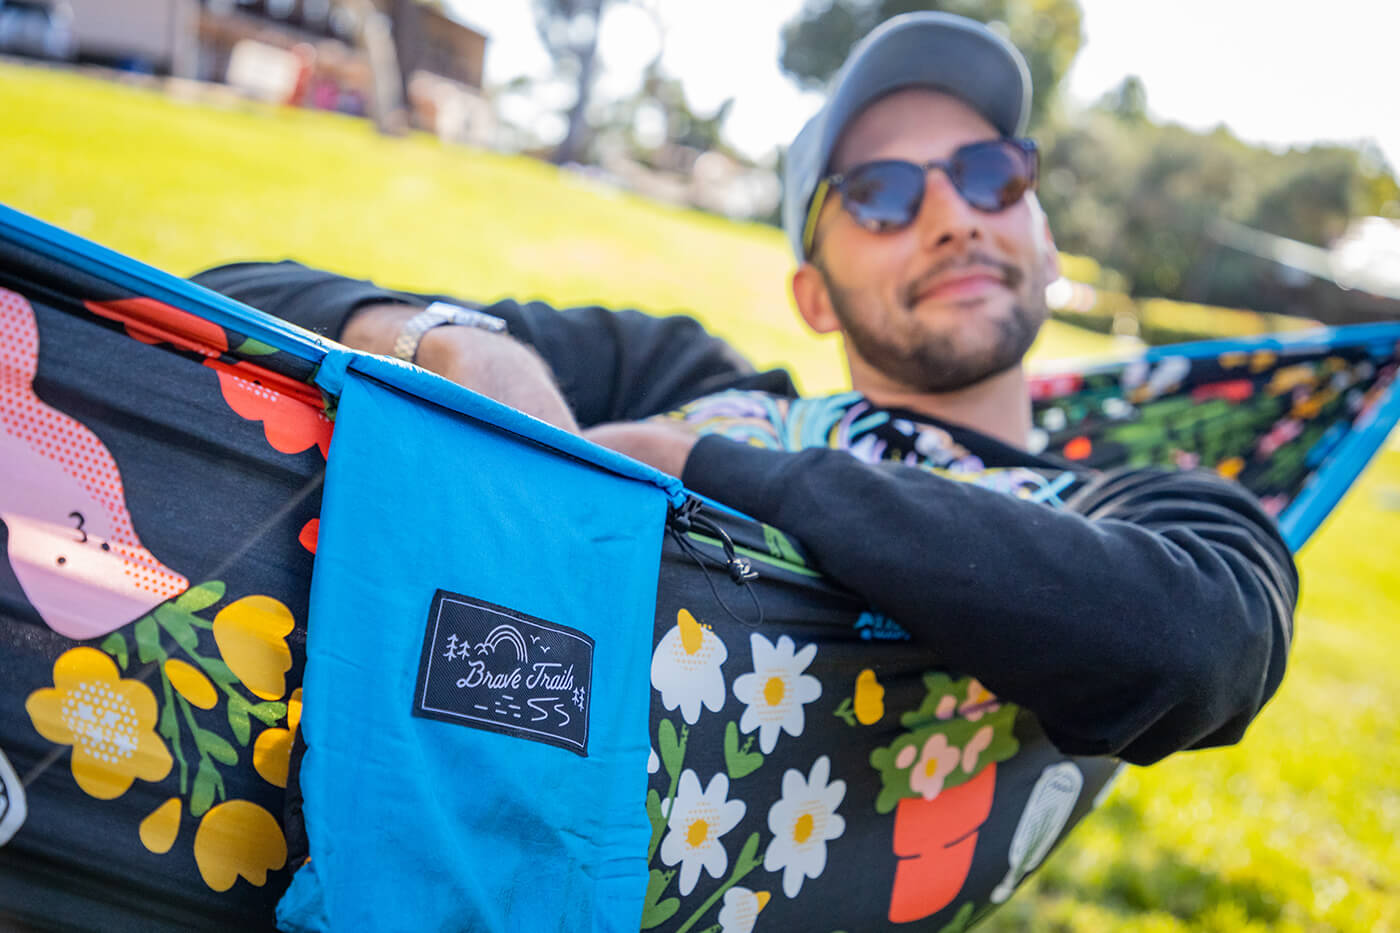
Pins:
x,y
686,517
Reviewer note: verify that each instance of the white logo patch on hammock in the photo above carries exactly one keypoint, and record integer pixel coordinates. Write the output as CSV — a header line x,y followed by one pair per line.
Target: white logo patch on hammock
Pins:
x,y
493,668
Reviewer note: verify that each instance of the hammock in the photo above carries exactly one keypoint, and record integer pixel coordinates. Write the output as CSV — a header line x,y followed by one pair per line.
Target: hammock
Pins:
x,y
545,687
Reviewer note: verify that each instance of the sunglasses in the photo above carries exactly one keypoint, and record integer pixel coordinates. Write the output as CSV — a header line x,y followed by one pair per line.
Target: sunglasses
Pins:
x,y
886,195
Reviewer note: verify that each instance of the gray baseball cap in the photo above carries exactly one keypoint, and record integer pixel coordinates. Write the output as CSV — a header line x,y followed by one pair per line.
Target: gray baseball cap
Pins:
x,y
937,50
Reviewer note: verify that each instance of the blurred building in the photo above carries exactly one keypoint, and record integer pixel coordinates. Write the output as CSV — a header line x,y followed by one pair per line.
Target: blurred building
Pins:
x,y
36,29
308,52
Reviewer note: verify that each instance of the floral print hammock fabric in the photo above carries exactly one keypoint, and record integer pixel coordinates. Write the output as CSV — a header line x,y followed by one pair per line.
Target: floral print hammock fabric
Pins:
x,y
163,460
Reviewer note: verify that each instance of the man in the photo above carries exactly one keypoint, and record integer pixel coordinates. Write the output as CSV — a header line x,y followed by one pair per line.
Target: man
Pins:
x,y
1135,614
1151,615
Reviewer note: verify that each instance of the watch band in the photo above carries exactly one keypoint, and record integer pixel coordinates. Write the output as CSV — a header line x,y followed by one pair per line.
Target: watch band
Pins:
x,y
438,314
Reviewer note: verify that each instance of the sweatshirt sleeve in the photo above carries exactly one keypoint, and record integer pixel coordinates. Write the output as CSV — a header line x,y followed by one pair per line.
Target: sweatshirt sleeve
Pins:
x,y
610,365
1153,614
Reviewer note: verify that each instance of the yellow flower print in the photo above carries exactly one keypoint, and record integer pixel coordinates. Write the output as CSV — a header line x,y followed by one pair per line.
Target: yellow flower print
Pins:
x,y
272,752
109,721
159,829
252,637
870,698
190,682
238,838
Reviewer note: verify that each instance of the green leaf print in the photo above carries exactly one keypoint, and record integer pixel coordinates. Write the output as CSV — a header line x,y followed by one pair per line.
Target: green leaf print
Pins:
x,y
200,597
979,734
218,671
202,795
115,645
271,712
779,546
846,712
177,622
672,749
251,347
961,921
147,640
739,762
238,719
216,746
748,860
658,821
656,912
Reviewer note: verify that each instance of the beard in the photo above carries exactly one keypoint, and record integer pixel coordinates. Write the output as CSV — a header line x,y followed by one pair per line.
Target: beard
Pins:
x,y
928,360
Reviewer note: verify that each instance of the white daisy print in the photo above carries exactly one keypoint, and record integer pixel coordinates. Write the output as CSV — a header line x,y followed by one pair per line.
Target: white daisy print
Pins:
x,y
685,668
741,909
776,690
696,822
802,822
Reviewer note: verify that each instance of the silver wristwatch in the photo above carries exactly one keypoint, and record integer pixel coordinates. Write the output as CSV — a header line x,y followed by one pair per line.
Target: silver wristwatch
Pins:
x,y
435,315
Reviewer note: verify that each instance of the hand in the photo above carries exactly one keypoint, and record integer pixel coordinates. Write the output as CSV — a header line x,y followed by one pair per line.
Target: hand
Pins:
x,y
662,444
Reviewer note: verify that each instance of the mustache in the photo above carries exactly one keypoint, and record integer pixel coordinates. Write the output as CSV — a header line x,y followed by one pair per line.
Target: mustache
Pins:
x,y
1011,275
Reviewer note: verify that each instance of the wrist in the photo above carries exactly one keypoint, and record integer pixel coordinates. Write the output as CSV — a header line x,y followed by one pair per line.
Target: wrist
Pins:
x,y
456,352
373,327
440,314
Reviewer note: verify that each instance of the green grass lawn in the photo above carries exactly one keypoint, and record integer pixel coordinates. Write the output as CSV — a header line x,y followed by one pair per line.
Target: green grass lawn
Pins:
x,y
1293,829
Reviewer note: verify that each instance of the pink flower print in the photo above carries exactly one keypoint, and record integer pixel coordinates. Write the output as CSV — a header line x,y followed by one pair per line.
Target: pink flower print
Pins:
x,y
975,747
947,706
933,767
979,703
72,545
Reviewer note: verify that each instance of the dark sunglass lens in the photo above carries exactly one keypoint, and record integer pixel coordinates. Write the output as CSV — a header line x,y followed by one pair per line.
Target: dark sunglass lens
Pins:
x,y
991,176
883,195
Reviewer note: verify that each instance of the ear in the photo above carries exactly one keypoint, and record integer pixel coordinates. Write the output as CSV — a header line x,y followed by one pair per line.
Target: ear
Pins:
x,y
813,299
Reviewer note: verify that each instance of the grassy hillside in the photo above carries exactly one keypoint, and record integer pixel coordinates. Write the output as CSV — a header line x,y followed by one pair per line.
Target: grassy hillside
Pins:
x,y
1292,830
184,186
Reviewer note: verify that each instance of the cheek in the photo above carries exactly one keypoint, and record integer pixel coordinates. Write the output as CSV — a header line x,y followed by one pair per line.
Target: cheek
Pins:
x,y
1018,237
880,261
850,263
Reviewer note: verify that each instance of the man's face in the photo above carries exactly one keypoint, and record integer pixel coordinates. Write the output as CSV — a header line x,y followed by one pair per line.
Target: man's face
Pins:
x,y
956,296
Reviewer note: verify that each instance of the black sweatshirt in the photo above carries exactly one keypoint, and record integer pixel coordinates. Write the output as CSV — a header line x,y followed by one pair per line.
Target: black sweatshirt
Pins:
x,y
610,365
1153,613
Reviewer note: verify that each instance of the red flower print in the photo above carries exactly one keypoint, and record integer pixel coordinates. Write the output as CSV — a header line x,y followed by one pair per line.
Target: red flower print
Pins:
x,y
151,321
290,411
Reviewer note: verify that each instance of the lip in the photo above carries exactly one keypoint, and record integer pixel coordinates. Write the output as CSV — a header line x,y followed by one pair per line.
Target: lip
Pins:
x,y
962,285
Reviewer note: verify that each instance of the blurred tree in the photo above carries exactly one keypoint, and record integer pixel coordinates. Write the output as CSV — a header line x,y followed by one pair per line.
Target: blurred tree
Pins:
x,y
1142,199
1127,101
569,31
817,40
663,98
1313,197
679,123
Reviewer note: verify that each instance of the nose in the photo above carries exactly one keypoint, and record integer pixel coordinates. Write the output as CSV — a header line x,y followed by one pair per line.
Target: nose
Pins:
x,y
945,218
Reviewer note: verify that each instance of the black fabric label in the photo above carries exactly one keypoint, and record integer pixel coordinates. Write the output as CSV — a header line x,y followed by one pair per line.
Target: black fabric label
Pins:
x,y
497,669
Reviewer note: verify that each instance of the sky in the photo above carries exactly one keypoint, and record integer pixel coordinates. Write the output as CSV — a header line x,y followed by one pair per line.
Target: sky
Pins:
x,y
1273,76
